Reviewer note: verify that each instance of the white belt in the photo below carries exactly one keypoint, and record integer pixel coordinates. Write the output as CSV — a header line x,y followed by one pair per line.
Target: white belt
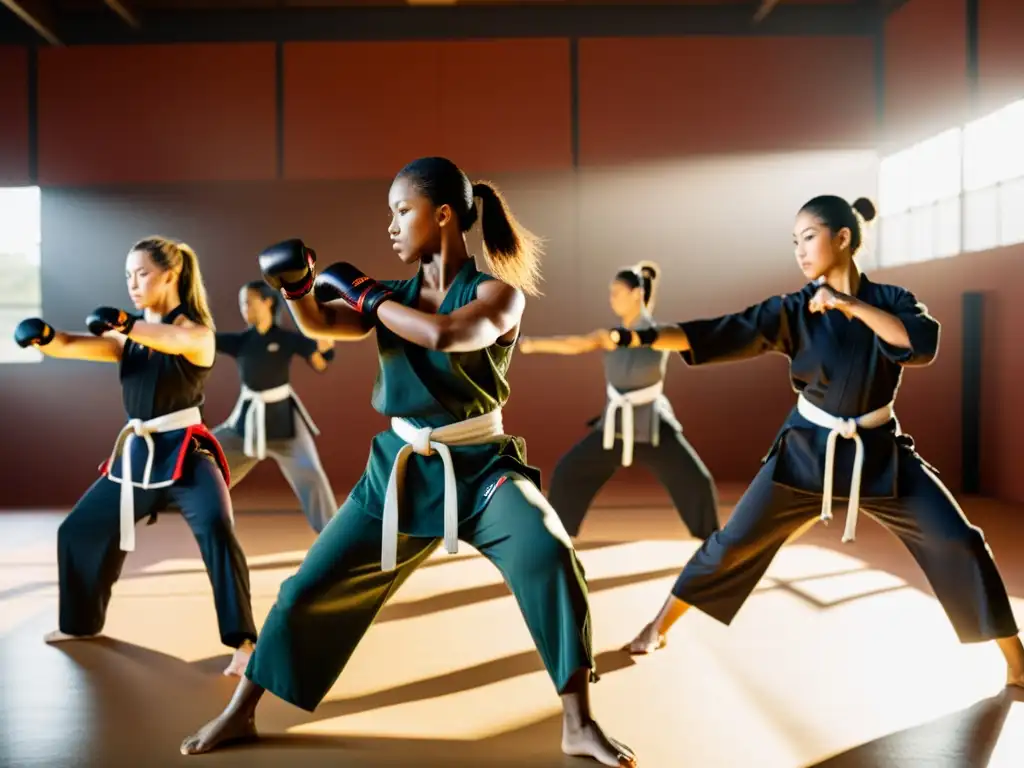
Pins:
x,y
255,427
625,401
170,422
426,441
846,428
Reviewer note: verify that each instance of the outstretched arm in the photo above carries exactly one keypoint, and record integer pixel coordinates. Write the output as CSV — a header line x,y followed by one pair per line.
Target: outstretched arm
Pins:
x,y
78,346
765,327
196,343
497,310
228,343
566,345
671,338
35,332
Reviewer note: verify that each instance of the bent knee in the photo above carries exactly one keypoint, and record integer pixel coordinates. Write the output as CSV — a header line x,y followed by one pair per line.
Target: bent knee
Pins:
x,y
965,536
78,526
299,594
546,554
213,524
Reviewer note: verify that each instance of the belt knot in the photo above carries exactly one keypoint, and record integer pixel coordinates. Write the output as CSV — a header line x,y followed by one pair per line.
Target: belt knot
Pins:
x,y
846,428
420,441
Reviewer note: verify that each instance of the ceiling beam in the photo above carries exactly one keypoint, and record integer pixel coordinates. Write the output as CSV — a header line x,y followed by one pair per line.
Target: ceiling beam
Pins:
x,y
467,22
38,14
123,8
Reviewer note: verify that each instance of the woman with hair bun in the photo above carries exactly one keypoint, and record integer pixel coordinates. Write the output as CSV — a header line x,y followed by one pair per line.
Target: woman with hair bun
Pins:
x,y
848,340
637,423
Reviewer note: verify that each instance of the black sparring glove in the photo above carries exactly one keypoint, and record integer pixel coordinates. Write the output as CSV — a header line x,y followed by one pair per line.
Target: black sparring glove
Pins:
x,y
109,319
289,267
623,337
343,281
33,331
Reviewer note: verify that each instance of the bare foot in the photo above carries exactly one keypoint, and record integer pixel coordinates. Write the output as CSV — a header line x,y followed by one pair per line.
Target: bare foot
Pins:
x,y
588,740
1014,678
648,641
230,726
56,636
239,660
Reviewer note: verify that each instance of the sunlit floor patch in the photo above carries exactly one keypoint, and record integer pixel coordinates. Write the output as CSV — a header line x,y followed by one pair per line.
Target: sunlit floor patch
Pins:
x,y
839,658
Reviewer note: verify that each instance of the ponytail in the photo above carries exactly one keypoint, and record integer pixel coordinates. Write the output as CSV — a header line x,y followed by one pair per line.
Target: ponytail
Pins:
x,y
191,288
649,271
170,254
512,251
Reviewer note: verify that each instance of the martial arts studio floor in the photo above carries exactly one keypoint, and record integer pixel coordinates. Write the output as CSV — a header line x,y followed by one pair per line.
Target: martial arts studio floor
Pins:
x,y
841,658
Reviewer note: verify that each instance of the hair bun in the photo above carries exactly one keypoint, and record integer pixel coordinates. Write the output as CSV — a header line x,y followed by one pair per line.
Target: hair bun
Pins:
x,y
865,208
648,269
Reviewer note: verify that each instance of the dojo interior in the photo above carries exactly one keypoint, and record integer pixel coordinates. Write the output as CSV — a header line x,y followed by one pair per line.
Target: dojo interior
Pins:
x,y
688,132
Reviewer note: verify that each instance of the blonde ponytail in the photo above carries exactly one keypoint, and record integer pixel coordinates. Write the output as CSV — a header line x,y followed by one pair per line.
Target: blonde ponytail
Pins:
x,y
191,288
171,254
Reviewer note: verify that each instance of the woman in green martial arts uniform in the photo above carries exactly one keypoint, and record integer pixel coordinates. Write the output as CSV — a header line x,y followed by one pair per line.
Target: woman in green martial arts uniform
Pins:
x,y
445,469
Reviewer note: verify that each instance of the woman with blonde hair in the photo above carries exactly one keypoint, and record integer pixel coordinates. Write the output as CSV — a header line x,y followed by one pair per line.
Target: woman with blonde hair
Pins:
x,y
163,456
637,423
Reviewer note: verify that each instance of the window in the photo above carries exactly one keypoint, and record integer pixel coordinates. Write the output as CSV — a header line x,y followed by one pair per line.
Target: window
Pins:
x,y
894,183
993,152
20,268
935,168
915,187
959,191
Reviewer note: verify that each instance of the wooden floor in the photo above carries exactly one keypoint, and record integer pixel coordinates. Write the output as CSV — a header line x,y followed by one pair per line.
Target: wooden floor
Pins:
x,y
842,658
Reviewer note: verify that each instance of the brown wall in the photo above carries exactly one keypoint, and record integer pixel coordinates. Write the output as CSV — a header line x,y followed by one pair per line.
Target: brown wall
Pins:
x,y
929,87
1000,57
14,116
929,402
656,179
692,151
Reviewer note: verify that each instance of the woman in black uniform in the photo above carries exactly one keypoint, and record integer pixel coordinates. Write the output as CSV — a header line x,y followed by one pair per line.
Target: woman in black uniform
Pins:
x,y
269,419
638,421
848,340
164,455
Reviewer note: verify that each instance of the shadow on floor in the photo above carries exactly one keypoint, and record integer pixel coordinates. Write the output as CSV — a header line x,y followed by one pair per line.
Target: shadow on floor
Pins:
x,y
964,739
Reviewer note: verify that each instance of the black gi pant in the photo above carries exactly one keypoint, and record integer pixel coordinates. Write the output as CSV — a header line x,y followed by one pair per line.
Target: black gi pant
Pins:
x,y
89,556
952,553
584,470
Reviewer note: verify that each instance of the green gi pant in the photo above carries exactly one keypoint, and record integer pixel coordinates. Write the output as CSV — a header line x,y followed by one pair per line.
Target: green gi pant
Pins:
x,y
323,611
